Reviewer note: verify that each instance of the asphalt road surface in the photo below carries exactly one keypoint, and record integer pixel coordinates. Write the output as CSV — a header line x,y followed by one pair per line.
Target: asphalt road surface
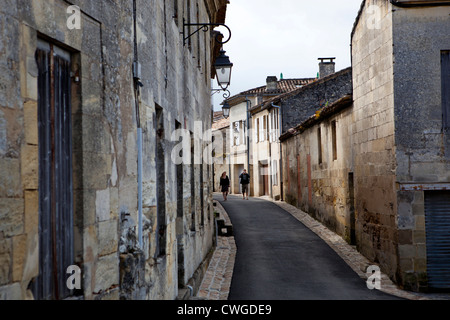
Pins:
x,y
278,258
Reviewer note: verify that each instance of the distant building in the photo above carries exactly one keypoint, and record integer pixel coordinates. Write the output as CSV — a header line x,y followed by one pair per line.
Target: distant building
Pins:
x,y
294,106
244,130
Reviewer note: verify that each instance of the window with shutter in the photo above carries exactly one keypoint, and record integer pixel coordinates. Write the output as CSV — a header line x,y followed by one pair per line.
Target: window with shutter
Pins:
x,y
56,249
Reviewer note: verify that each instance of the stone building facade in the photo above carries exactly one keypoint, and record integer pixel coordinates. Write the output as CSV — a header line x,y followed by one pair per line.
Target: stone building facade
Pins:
x,y
383,178
90,95
401,76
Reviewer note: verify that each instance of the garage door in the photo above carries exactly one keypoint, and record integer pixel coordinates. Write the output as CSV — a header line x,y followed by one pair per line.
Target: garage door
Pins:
x,y
437,219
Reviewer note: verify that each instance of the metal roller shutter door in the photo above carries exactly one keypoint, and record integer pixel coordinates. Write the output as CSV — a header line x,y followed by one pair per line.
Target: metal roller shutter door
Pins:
x,y
437,219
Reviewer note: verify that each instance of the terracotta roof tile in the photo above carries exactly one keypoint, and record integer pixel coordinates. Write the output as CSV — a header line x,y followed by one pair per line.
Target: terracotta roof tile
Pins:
x,y
283,86
290,93
219,122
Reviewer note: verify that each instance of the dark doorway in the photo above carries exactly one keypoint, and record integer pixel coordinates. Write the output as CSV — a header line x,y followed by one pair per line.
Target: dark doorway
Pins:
x,y
351,197
265,179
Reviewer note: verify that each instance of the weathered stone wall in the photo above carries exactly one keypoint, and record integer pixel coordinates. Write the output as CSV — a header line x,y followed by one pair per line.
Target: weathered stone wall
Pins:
x,y
322,189
374,142
176,79
422,147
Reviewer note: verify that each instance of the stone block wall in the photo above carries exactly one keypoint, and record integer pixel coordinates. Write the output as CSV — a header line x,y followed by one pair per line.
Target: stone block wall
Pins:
x,y
374,141
422,146
176,80
322,188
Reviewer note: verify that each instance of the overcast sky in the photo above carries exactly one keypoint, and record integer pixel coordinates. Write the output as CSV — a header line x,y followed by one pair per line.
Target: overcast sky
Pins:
x,y
270,37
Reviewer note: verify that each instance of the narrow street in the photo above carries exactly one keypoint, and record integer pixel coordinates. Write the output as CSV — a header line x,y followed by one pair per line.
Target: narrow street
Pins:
x,y
278,258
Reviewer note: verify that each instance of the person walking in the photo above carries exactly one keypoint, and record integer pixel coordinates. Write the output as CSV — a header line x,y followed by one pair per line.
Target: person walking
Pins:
x,y
245,181
224,185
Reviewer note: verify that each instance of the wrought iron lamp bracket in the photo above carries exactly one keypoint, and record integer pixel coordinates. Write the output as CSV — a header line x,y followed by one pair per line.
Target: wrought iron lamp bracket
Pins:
x,y
205,27
226,94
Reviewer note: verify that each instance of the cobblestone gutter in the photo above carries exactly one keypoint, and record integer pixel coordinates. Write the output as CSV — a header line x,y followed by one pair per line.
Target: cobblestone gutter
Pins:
x,y
217,281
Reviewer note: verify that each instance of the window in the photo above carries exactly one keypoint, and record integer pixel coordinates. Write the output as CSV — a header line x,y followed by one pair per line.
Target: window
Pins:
x,y
175,11
192,182
56,239
198,38
319,145
236,133
160,183
262,127
257,130
239,133
445,70
334,139
274,125
271,137
243,132
188,12
266,127
179,174
274,173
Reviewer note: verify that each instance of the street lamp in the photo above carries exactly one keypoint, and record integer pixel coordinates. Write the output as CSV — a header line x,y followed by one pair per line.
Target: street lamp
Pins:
x,y
223,65
226,109
223,68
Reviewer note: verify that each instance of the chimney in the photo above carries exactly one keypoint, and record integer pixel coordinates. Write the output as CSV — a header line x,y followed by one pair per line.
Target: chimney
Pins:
x,y
326,67
272,83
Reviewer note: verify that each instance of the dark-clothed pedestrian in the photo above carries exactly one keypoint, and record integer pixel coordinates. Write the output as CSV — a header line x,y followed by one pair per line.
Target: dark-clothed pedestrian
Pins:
x,y
224,185
245,181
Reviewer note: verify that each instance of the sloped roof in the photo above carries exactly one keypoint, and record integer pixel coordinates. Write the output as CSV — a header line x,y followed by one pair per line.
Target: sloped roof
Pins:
x,y
319,116
283,86
219,122
276,99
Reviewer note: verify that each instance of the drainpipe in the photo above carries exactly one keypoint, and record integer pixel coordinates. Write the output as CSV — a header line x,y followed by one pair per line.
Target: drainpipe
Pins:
x,y
248,134
137,85
281,150
139,138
